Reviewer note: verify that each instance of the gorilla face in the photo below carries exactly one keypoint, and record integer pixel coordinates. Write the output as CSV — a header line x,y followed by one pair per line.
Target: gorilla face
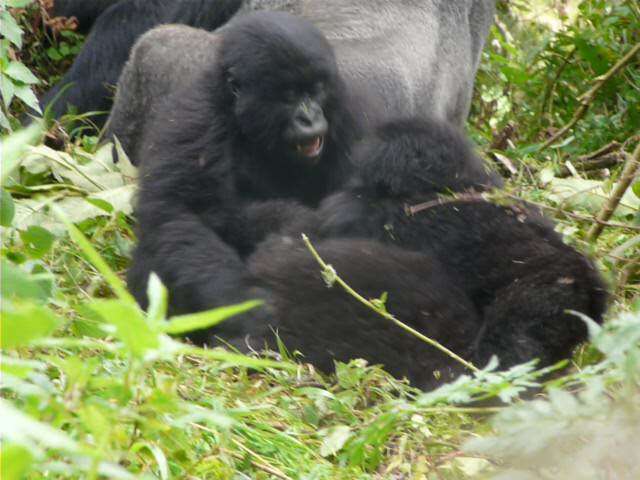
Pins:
x,y
284,97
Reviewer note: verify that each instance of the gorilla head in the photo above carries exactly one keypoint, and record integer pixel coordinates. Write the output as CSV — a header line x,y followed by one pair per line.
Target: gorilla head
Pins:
x,y
412,157
282,79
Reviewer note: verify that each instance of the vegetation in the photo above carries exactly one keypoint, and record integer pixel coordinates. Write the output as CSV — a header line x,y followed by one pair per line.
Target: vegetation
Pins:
x,y
94,388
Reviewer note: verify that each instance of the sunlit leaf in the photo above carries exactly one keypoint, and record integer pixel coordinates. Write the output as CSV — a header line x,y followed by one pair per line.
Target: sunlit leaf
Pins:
x,y
197,321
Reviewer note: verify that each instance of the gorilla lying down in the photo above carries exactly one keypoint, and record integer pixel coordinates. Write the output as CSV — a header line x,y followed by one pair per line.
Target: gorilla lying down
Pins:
x,y
509,275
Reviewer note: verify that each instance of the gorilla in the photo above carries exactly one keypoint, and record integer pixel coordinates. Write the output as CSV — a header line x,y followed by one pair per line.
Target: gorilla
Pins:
x,y
403,58
328,324
267,121
508,274
89,84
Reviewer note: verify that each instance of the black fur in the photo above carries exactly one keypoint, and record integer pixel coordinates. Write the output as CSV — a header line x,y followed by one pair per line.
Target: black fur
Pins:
x,y
506,259
95,71
327,324
225,152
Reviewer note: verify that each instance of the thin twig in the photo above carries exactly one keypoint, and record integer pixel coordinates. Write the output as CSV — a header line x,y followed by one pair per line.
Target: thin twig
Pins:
x,y
549,91
629,173
587,98
411,210
330,270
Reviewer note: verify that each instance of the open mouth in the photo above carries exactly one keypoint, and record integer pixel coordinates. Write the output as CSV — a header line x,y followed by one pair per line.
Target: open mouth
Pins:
x,y
311,148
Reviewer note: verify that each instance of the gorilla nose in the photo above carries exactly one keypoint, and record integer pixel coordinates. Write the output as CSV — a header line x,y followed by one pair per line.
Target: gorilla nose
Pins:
x,y
309,120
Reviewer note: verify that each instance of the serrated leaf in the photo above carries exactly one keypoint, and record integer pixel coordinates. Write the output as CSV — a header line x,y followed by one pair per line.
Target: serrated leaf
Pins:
x,y
24,322
19,72
7,90
25,93
10,29
7,208
197,321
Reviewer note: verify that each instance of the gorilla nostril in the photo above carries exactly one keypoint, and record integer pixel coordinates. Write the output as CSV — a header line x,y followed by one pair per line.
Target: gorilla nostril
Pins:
x,y
303,119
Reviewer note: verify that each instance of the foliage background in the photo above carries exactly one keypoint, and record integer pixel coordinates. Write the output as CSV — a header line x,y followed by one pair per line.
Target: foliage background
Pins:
x,y
93,388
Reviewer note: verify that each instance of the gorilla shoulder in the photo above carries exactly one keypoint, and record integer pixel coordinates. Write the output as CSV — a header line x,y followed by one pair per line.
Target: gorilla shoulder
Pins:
x,y
148,79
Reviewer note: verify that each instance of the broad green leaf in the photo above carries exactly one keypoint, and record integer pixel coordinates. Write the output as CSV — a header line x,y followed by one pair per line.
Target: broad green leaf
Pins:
x,y
25,93
10,29
15,146
590,195
131,327
7,208
17,284
18,71
37,240
25,322
15,461
7,90
197,321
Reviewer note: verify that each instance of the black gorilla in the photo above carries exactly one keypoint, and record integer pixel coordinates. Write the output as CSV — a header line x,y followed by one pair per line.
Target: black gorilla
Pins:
x,y
95,71
268,120
505,261
327,324
404,57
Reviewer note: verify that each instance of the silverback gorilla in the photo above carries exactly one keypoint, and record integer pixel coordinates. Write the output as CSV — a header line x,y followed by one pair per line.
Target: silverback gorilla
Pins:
x,y
406,58
267,120
506,261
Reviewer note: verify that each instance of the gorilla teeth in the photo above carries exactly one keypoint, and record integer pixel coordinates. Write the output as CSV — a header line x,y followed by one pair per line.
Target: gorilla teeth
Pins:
x,y
311,148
